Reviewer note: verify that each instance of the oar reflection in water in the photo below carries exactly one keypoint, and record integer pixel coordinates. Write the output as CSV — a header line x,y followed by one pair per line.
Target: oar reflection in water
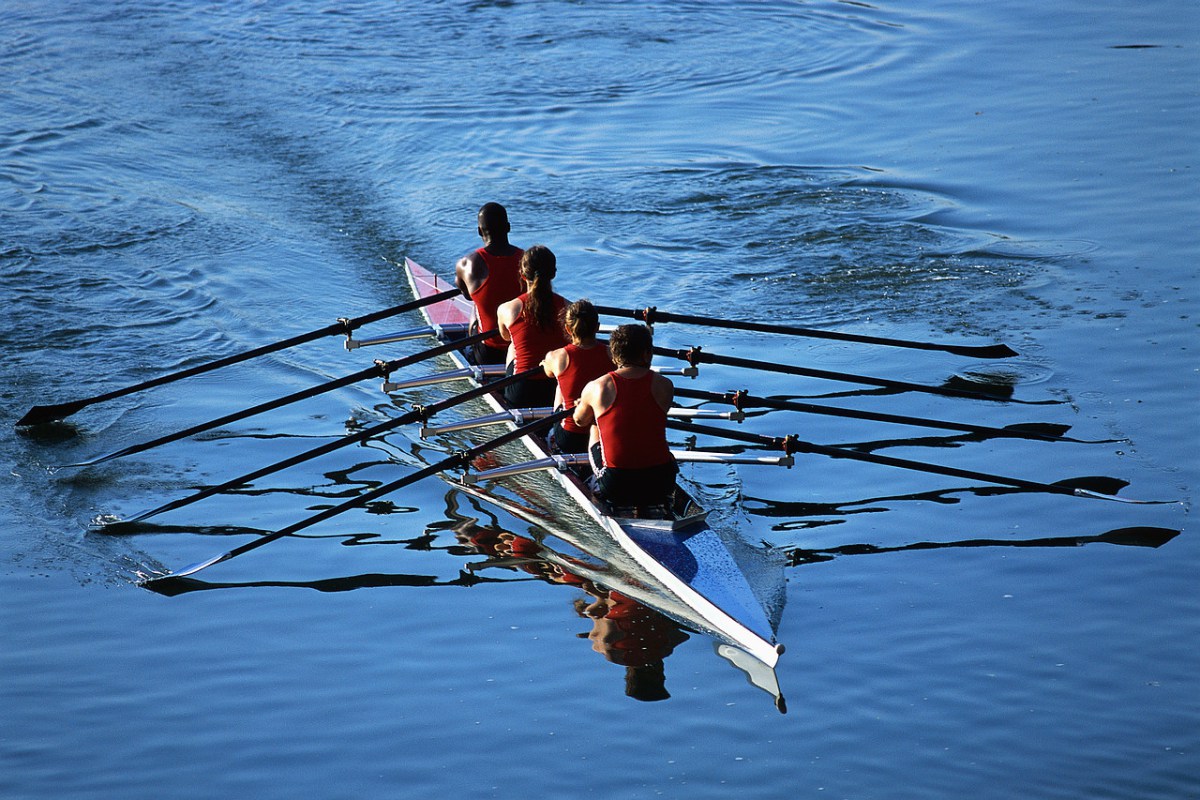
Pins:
x,y
1125,537
810,514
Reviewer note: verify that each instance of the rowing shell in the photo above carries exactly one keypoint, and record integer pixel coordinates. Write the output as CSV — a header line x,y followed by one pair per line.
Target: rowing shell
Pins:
x,y
684,556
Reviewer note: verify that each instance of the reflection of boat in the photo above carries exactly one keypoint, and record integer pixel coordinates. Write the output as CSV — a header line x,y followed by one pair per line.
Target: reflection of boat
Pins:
x,y
678,566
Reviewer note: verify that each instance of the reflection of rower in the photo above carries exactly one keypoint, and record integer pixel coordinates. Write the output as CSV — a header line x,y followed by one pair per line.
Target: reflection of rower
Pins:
x,y
631,635
634,469
624,631
533,323
488,277
574,366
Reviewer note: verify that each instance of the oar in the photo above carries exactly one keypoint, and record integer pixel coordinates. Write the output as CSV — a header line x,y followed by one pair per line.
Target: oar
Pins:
x,y
460,459
381,370
419,413
790,444
696,356
652,315
1041,432
42,414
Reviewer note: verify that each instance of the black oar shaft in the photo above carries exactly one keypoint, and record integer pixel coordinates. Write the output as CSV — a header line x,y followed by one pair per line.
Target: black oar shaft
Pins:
x,y
698,356
743,400
652,315
791,444
460,459
379,370
48,413
420,413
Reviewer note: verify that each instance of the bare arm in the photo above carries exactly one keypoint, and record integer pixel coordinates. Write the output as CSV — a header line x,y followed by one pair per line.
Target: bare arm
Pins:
x,y
585,414
469,272
596,398
556,362
506,315
663,391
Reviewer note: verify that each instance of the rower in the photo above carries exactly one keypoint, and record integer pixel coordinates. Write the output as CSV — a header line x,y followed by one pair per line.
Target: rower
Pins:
x,y
581,361
634,468
488,277
533,323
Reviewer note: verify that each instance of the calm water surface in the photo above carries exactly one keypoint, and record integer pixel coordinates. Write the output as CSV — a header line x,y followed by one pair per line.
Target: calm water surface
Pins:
x,y
184,181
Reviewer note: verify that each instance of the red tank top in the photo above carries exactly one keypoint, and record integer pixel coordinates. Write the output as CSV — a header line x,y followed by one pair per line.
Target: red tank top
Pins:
x,y
582,366
503,283
633,431
530,342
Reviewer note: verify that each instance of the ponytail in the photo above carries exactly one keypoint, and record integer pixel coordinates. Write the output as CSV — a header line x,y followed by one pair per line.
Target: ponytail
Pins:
x,y
538,268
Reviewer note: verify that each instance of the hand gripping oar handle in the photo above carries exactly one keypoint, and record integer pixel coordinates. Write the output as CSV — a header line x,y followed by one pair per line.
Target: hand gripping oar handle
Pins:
x,y
791,444
460,459
381,370
42,414
652,315
419,413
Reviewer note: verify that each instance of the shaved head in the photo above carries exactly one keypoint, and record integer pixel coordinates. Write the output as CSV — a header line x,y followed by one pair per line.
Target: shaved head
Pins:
x,y
493,219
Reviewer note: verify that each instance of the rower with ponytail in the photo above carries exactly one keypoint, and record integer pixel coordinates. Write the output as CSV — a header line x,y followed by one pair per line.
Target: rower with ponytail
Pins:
x,y
533,323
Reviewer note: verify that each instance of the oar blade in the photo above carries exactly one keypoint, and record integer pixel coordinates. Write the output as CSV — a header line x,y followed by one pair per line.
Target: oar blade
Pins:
x,y
41,415
172,585
980,351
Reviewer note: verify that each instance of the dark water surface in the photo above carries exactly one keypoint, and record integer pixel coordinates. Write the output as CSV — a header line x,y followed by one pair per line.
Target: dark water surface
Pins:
x,y
183,181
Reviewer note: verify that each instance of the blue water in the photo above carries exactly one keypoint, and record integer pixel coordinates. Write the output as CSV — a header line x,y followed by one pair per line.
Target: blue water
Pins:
x,y
183,181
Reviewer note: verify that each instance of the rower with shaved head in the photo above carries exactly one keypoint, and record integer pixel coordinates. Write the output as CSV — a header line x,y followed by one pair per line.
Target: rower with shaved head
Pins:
x,y
490,276
633,466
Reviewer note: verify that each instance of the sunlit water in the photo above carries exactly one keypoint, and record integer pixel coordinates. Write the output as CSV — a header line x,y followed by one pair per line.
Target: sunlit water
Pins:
x,y
183,181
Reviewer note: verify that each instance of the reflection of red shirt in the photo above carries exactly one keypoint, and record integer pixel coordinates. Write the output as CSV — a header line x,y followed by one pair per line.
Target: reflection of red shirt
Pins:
x,y
530,342
503,283
583,365
648,636
633,431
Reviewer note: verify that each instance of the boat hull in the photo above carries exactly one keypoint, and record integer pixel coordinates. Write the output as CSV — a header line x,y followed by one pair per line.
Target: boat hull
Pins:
x,y
684,557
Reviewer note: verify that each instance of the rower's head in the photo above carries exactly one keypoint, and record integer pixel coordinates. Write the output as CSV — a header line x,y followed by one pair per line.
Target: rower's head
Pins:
x,y
538,266
631,346
582,321
493,222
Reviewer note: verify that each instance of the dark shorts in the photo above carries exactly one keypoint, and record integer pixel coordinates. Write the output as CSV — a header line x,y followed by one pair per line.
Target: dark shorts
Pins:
x,y
479,353
651,486
536,393
482,354
563,441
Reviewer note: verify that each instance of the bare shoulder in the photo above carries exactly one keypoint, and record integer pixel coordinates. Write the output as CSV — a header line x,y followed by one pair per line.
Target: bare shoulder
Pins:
x,y
469,272
662,389
557,361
